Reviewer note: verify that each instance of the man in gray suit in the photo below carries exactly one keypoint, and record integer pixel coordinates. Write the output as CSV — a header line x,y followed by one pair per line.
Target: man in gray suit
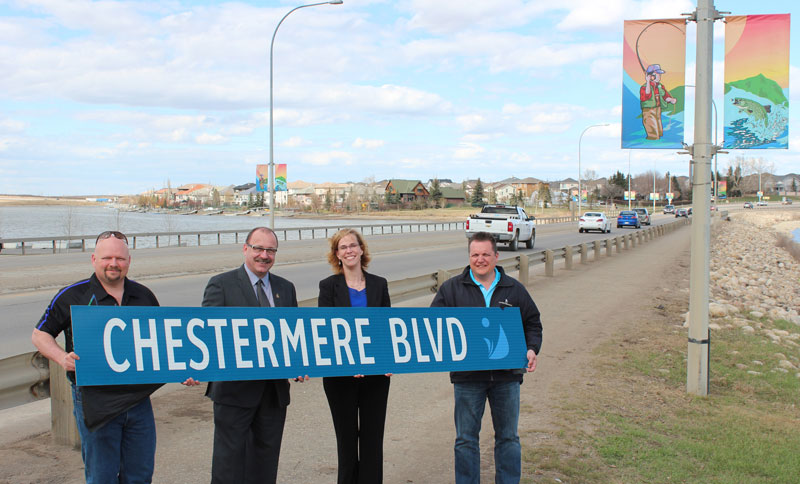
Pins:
x,y
249,415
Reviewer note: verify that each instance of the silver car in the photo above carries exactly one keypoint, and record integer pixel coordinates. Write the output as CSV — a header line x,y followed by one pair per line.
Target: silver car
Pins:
x,y
644,215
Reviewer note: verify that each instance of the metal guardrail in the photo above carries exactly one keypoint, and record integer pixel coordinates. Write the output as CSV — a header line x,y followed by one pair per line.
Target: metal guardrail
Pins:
x,y
210,237
83,242
25,378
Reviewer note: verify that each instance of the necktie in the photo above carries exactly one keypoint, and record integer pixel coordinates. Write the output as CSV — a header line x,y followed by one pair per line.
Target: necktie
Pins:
x,y
262,296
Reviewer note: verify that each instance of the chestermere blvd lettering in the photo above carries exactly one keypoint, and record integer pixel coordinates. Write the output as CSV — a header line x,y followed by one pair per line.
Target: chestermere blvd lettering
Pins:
x,y
132,344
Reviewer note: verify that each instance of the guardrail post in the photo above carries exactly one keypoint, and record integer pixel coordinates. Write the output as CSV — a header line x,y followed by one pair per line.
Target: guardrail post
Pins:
x,y
634,239
584,253
219,238
134,242
441,276
524,269
83,245
609,246
619,243
598,246
548,263
62,421
568,257
625,241
54,247
179,240
157,241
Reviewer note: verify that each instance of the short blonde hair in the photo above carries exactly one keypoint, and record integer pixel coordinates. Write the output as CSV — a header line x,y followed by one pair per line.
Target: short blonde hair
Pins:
x,y
337,237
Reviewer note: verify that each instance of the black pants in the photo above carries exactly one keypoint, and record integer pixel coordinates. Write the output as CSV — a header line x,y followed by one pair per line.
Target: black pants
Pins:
x,y
358,408
247,444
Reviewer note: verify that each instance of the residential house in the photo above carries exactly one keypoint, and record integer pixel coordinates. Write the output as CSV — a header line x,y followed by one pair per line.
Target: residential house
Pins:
x,y
407,191
453,197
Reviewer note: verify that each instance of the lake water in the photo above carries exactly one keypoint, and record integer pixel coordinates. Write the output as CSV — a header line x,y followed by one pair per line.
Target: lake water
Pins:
x,y
796,235
59,221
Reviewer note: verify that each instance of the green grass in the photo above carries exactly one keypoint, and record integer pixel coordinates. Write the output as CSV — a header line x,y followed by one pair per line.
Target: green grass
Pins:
x,y
641,426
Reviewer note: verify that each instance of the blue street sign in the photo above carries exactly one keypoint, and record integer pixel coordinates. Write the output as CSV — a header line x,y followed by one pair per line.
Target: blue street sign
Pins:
x,y
134,344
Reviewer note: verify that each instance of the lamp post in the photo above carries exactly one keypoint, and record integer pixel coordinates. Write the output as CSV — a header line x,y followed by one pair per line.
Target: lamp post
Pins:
x,y
629,179
579,162
271,143
715,188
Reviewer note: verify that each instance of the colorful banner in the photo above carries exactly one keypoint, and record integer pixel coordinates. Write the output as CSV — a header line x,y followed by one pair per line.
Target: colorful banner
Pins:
x,y
135,344
670,196
654,59
584,195
722,189
262,178
757,81
280,178
630,195
655,196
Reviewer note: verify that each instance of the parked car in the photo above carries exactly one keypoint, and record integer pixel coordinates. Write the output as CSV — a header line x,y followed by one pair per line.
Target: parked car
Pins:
x,y
761,203
628,218
786,201
644,216
748,204
669,209
681,212
594,221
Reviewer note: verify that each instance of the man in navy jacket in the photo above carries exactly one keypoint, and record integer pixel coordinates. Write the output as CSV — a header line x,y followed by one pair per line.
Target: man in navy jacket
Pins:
x,y
483,284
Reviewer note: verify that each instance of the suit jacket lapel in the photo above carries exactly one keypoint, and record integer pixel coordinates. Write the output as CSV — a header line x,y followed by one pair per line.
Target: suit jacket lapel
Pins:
x,y
246,287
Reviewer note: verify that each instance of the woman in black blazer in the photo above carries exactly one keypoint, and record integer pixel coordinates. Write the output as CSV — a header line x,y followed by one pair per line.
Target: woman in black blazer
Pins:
x,y
358,404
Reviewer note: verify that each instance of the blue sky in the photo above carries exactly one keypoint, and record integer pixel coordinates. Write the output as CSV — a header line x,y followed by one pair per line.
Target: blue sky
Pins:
x,y
120,96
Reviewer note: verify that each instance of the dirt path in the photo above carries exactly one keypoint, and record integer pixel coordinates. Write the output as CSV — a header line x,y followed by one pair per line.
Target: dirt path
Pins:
x,y
580,309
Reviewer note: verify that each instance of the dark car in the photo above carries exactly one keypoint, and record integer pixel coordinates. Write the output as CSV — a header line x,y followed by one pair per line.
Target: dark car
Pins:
x,y
748,204
628,218
681,212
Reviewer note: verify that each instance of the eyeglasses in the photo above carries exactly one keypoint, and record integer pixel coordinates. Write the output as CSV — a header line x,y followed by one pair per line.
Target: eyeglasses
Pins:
x,y
111,233
352,246
258,249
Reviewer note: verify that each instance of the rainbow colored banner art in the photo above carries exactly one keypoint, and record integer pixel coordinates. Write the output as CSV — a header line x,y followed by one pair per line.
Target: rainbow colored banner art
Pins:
x,y
757,81
280,178
262,178
722,189
653,61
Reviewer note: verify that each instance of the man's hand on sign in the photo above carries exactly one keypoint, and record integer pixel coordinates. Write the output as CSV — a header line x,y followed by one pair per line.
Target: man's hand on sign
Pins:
x,y
190,382
301,379
531,361
68,363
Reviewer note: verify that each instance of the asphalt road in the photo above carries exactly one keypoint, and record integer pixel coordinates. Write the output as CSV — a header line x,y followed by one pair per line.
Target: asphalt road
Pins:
x,y
394,257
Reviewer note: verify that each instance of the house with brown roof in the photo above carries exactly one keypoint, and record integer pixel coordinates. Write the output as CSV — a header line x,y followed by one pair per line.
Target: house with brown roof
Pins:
x,y
406,191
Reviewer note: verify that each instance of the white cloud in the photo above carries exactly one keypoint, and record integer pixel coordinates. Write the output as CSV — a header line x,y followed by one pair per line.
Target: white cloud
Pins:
x,y
340,158
295,141
368,143
12,125
468,151
447,17
210,139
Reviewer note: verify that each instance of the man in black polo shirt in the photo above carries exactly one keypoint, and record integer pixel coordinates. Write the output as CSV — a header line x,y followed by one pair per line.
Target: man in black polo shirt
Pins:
x,y
115,422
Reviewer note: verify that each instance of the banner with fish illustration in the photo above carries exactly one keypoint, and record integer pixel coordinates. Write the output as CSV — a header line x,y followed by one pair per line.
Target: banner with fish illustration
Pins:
x,y
280,178
757,81
262,178
653,62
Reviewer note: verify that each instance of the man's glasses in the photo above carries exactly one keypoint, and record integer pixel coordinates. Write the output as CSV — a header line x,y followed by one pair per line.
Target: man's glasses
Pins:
x,y
258,249
111,233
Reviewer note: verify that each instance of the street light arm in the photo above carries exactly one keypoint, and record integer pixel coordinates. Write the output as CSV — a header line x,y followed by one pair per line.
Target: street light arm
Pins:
x,y
579,160
271,124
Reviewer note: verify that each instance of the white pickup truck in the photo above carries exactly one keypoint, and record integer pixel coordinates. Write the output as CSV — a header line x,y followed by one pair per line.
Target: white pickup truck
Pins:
x,y
507,223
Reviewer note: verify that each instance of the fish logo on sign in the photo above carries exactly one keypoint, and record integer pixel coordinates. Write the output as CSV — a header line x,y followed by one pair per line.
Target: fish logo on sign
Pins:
x,y
498,349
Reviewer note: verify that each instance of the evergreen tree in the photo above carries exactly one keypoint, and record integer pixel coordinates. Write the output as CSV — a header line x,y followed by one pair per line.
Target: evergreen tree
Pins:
x,y
477,194
619,179
436,193
328,200
544,194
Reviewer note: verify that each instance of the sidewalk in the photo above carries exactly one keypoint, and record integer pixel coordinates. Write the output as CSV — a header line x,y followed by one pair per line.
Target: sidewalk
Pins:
x,y
419,428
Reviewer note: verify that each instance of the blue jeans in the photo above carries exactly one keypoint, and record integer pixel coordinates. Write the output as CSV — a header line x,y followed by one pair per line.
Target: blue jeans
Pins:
x,y
123,450
470,402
